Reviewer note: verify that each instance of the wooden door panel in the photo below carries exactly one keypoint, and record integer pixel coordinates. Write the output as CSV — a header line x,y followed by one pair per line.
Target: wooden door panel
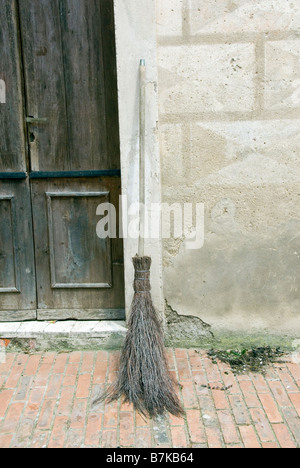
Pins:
x,y
85,87
9,264
78,259
76,270
110,79
17,270
45,86
64,75
12,141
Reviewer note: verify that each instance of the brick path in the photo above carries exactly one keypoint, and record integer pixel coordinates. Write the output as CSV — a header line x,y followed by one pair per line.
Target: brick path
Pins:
x,y
46,400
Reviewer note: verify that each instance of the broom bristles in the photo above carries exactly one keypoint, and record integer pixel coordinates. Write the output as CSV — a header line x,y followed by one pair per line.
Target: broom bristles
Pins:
x,y
144,379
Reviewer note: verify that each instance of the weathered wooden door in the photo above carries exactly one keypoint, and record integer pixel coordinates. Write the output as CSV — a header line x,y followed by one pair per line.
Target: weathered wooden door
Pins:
x,y
59,161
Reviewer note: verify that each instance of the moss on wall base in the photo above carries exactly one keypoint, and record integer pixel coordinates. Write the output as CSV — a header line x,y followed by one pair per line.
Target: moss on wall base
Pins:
x,y
226,340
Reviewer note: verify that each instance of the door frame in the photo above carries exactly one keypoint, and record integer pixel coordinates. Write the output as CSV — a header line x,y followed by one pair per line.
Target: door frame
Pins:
x,y
136,32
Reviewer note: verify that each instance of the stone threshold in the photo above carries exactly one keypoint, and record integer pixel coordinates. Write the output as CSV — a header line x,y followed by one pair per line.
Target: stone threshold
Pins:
x,y
68,335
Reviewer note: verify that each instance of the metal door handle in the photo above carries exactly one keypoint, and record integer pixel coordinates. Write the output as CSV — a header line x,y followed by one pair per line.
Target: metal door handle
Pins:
x,y
33,120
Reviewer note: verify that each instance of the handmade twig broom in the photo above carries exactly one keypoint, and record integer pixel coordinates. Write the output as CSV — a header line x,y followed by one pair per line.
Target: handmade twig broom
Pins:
x,y
144,379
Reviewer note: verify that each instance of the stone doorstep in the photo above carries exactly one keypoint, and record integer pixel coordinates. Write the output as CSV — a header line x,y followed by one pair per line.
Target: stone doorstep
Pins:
x,y
78,334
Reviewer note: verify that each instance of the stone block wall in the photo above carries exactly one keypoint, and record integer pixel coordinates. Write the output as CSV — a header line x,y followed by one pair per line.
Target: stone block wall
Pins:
x,y
229,126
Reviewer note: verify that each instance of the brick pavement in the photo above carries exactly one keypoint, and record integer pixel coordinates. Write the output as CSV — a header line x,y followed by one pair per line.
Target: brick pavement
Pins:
x,y
46,400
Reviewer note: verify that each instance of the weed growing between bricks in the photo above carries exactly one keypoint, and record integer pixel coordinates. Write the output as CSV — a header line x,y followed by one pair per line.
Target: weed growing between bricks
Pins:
x,y
256,360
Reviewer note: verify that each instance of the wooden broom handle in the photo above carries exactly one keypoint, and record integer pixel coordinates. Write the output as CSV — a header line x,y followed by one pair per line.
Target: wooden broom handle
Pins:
x,y
142,151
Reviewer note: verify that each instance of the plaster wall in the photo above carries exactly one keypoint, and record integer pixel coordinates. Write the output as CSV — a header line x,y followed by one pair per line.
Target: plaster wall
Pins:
x,y
229,132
